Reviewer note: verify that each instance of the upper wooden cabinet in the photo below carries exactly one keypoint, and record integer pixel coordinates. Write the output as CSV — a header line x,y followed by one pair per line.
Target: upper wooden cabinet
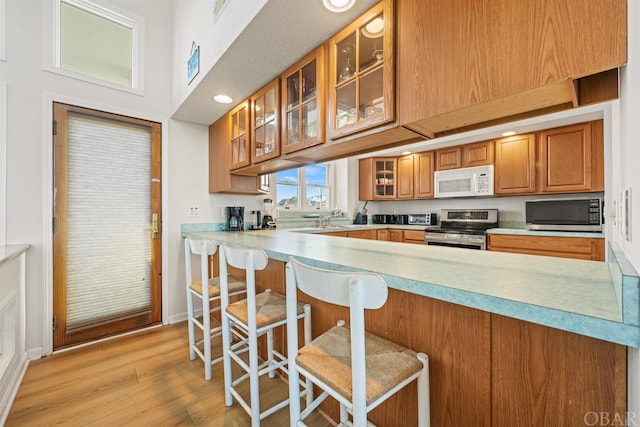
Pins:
x,y
220,178
413,177
304,102
466,62
362,73
405,177
514,171
265,122
449,158
239,138
377,178
465,156
424,168
567,159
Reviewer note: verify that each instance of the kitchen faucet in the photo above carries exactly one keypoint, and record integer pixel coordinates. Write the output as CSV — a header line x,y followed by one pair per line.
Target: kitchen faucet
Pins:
x,y
324,220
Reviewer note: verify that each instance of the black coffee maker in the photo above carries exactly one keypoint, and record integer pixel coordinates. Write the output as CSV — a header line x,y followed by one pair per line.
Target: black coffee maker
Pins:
x,y
235,218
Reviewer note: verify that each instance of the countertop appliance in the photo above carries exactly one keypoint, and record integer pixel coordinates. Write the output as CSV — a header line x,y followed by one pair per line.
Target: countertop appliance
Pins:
x,y
464,182
423,219
235,218
571,214
383,219
268,223
462,228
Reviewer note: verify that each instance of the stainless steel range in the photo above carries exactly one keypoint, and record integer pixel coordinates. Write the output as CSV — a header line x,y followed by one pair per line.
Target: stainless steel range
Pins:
x,y
462,228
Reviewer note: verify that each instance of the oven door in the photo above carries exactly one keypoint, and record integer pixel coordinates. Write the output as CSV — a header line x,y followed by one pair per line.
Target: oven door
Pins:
x,y
466,242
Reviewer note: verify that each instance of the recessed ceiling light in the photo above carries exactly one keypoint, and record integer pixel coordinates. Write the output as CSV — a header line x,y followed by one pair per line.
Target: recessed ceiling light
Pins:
x,y
338,5
404,153
510,133
223,99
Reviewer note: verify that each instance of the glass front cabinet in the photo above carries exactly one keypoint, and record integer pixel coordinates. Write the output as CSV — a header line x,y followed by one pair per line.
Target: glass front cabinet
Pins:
x,y
265,124
303,102
238,121
384,175
361,73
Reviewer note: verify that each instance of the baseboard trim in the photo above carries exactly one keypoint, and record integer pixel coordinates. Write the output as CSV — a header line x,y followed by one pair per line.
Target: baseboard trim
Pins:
x,y
11,386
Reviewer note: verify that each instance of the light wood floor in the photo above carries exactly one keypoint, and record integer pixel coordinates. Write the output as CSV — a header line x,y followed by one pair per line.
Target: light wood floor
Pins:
x,y
141,379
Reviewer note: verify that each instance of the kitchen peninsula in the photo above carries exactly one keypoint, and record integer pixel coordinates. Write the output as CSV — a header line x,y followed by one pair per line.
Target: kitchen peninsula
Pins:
x,y
513,339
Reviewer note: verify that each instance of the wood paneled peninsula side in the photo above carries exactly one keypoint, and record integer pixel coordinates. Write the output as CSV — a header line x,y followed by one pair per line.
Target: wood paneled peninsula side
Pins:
x,y
512,339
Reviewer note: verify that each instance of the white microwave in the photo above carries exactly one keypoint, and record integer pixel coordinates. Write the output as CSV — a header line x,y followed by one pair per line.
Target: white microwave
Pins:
x,y
464,182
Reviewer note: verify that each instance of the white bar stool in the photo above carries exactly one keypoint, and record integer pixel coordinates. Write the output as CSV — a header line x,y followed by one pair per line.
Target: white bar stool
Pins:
x,y
257,315
210,304
358,369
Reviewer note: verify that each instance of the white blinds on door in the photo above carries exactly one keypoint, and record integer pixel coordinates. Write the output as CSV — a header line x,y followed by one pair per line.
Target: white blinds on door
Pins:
x,y
109,211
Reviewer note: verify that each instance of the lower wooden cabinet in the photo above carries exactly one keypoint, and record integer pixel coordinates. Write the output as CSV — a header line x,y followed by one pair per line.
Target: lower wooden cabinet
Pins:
x,y
362,234
382,234
414,236
395,235
558,246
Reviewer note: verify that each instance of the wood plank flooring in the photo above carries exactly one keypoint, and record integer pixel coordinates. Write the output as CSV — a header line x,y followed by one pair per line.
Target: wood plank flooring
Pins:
x,y
140,379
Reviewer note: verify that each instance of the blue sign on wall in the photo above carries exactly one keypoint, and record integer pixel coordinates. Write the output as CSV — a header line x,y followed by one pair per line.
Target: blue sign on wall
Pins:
x,y
193,64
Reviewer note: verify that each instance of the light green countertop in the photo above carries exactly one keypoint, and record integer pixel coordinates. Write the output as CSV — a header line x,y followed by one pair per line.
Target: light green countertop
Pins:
x,y
573,295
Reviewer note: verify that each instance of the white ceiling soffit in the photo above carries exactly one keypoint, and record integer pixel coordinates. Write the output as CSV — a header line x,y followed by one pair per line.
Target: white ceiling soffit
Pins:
x,y
280,34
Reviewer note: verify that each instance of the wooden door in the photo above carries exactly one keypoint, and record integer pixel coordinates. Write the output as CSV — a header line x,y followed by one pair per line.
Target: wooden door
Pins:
x,y
565,158
239,130
515,165
448,158
424,175
405,177
477,154
107,234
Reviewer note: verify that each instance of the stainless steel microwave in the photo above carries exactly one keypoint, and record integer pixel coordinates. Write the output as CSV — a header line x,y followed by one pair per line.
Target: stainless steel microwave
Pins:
x,y
575,214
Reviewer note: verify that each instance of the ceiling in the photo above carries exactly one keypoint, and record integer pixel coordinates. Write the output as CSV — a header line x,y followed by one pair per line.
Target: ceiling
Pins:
x,y
280,34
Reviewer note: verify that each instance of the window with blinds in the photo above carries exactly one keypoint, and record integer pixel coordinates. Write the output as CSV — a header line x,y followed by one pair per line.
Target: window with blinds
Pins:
x,y
109,209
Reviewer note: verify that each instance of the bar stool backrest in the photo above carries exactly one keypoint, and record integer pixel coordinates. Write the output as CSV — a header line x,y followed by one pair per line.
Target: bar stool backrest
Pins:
x,y
241,257
336,287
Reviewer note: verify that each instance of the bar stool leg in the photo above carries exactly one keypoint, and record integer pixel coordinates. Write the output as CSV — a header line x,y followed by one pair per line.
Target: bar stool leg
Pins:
x,y
424,410
272,371
254,380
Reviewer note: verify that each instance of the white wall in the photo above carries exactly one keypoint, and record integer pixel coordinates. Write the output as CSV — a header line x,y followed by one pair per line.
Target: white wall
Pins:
x,y
626,174
29,94
193,22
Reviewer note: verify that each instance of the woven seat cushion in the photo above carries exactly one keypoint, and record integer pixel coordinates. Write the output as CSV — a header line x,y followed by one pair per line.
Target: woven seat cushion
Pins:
x,y
328,357
271,308
235,284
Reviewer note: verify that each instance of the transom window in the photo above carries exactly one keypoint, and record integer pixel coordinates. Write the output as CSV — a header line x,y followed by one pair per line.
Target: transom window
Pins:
x,y
96,43
307,187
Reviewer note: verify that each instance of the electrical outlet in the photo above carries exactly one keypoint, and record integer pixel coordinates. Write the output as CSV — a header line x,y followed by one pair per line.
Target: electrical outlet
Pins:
x,y
194,210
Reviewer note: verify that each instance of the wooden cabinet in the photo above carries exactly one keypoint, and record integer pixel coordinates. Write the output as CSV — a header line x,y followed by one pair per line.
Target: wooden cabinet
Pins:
x,y
220,178
362,73
405,177
413,177
377,178
465,156
448,158
413,236
335,233
566,159
239,138
514,171
265,122
382,234
558,246
512,69
477,154
304,102
362,234
395,235
571,159
424,168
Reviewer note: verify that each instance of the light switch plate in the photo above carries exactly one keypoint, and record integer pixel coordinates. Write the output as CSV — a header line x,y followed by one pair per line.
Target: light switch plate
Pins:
x,y
627,214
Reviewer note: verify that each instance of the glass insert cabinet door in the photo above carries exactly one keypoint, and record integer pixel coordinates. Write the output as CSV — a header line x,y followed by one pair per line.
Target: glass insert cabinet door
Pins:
x,y
238,121
265,125
384,178
303,106
361,70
